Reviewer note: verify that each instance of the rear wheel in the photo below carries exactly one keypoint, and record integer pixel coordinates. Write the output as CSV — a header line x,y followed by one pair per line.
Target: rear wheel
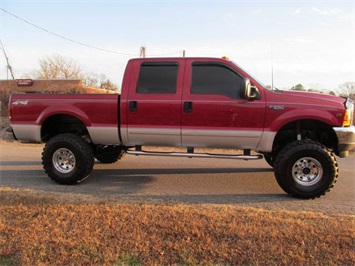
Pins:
x,y
306,169
67,159
108,154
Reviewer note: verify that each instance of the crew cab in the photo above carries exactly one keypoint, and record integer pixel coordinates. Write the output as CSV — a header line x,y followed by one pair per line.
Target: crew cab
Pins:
x,y
191,103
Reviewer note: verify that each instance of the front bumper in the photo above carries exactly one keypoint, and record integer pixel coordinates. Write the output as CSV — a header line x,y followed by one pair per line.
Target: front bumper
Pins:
x,y
346,139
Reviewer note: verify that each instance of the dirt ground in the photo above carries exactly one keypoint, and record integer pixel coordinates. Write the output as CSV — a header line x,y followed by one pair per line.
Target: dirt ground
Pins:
x,y
4,123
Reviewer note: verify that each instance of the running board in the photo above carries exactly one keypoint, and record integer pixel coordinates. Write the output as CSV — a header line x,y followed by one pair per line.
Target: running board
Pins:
x,y
196,155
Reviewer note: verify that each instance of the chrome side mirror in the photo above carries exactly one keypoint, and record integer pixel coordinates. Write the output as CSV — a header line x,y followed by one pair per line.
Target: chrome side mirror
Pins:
x,y
251,92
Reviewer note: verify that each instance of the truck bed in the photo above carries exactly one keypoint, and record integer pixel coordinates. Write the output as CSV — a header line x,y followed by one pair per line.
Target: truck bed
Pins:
x,y
99,113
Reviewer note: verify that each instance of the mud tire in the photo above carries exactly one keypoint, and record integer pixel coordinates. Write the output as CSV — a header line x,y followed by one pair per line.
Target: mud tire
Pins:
x,y
306,169
67,159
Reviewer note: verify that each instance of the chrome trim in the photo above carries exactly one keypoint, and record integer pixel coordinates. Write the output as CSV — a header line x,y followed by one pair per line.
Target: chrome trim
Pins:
x,y
197,155
63,160
346,137
307,171
349,104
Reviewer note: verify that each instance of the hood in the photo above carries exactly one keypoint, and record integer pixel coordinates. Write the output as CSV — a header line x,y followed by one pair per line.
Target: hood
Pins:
x,y
311,98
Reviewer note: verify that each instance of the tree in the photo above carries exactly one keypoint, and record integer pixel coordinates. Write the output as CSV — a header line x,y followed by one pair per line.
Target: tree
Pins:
x,y
57,67
108,85
347,89
98,81
298,87
61,67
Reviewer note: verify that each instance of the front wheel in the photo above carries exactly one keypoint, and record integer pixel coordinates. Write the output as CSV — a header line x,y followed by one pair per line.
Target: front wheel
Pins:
x,y
67,159
306,169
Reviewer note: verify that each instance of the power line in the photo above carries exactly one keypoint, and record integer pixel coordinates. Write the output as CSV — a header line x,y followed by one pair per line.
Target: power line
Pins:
x,y
71,40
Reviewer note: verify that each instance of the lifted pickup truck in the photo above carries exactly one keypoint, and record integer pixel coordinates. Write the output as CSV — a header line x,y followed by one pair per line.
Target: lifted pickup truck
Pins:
x,y
191,102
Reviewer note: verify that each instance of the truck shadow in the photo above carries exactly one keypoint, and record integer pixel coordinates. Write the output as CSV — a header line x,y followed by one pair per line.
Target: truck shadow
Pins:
x,y
172,171
139,185
11,163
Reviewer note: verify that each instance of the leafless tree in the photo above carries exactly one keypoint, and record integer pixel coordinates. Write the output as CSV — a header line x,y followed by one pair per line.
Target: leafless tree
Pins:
x,y
347,89
108,85
98,81
94,80
57,67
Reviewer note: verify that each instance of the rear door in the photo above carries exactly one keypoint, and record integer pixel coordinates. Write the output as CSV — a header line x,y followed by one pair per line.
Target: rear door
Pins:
x,y
215,112
154,103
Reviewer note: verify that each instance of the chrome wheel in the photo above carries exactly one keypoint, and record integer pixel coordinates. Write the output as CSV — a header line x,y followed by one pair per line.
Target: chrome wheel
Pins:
x,y
63,160
307,171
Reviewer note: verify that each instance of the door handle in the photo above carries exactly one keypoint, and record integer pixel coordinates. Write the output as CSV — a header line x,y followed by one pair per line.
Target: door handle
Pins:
x,y
133,106
188,107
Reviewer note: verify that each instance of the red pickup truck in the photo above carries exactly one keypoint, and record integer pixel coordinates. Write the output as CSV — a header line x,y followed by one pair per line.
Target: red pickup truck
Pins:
x,y
191,102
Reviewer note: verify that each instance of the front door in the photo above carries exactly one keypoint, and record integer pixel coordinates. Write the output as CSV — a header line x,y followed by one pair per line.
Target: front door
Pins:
x,y
215,112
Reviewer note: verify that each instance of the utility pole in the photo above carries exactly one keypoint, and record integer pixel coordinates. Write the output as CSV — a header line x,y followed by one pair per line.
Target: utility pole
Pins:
x,y
9,68
183,53
142,52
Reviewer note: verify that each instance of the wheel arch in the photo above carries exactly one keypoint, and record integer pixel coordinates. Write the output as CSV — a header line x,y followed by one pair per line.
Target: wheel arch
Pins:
x,y
301,129
62,123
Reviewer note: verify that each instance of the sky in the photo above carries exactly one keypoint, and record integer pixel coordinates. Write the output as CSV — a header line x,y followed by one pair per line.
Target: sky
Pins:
x,y
307,42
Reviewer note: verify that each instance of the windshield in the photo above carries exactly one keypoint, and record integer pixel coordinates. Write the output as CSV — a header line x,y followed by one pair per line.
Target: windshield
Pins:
x,y
258,81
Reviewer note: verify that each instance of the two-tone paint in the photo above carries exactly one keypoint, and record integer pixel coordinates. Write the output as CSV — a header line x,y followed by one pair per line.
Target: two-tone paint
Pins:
x,y
214,121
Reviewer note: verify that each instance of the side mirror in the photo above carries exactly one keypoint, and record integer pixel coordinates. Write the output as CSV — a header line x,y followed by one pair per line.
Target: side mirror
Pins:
x,y
251,92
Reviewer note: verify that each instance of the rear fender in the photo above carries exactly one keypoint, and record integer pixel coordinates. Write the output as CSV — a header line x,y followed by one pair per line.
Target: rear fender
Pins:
x,y
64,110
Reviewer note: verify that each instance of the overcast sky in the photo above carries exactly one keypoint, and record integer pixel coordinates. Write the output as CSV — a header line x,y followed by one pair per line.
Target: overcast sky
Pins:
x,y
307,42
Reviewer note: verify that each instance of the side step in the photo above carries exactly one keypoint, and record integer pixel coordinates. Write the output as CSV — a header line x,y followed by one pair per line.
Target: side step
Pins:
x,y
245,156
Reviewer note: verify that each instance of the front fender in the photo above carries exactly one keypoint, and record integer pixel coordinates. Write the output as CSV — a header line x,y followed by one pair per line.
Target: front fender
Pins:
x,y
302,114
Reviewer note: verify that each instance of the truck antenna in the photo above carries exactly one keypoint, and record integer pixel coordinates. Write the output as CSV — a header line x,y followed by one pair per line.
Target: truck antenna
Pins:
x,y
272,67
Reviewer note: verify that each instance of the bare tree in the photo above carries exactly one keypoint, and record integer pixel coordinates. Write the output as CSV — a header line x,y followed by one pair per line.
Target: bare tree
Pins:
x,y
99,81
347,89
108,85
94,80
57,67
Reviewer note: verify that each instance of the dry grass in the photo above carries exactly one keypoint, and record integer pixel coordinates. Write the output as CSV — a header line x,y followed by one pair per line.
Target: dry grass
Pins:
x,y
50,233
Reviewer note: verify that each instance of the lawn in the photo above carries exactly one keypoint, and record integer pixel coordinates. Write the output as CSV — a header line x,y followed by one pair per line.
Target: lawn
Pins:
x,y
44,232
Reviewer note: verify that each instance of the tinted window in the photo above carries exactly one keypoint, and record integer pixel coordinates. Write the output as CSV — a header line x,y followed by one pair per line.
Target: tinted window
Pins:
x,y
157,78
215,79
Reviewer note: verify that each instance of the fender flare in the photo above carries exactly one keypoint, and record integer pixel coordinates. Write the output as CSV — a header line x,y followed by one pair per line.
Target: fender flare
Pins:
x,y
63,110
304,114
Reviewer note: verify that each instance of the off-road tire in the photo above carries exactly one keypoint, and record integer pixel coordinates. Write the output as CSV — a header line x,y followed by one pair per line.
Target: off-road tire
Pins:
x,y
67,159
306,169
109,155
